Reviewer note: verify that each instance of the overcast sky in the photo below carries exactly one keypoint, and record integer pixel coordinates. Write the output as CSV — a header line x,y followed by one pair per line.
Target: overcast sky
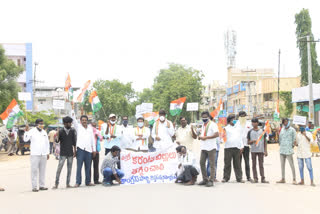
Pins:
x,y
131,40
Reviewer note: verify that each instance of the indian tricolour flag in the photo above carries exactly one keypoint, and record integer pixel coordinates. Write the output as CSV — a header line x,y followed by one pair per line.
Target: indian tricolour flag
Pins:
x,y
276,115
151,117
176,106
11,114
82,95
95,102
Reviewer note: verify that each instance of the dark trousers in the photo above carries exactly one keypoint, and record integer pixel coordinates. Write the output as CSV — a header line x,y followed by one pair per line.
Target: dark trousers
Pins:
x,y
86,158
216,163
211,155
95,163
260,156
232,154
246,155
51,148
188,173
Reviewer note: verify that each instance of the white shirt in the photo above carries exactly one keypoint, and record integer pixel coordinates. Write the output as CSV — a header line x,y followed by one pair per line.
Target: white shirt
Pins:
x,y
244,131
209,144
164,133
234,138
184,137
39,141
85,137
188,160
304,146
142,144
126,136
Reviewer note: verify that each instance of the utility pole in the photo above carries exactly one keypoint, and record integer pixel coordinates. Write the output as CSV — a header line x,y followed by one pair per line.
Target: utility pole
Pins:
x,y
311,106
34,88
279,76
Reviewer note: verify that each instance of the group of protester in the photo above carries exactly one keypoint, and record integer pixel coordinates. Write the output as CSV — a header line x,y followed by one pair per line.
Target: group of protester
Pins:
x,y
243,138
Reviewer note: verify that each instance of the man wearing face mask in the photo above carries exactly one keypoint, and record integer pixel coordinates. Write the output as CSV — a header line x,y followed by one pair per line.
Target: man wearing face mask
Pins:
x,y
140,137
287,140
67,139
162,132
126,133
39,153
208,146
112,134
245,127
232,150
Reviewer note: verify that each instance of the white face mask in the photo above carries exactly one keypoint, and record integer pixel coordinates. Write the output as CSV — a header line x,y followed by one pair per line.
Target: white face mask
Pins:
x,y
112,122
162,118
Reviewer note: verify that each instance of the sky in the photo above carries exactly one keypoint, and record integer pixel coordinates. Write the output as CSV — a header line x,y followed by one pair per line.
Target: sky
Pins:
x,y
132,40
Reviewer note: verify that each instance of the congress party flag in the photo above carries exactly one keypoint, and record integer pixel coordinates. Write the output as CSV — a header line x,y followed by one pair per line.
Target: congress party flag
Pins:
x,y
267,129
276,114
176,106
95,102
68,83
81,96
151,117
216,112
11,114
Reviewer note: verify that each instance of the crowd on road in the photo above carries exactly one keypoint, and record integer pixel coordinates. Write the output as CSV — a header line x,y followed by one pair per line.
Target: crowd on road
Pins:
x,y
84,141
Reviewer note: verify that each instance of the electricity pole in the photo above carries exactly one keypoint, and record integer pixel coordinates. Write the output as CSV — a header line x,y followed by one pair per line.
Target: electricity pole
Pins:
x,y
311,106
34,88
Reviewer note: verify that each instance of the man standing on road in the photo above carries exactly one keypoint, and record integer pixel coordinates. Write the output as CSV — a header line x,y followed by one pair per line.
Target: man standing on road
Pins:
x,y
140,137
52,135
208,146
287,138
257,150
304,141
39,153
12,142
232,150
162,132
86,148
245,126
126,133
67,139
185,134
95,160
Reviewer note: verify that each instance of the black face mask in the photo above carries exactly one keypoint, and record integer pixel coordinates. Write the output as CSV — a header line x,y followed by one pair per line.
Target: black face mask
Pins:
x,y
205,120
125,122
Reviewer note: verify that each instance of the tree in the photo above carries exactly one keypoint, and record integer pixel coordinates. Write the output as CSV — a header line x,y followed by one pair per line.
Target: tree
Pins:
x,y
287,109
9,88
172,83
49,118
115,97
303,22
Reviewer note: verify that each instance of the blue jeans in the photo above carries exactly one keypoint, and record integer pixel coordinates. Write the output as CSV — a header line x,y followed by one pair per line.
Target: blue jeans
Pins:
x,y
83,157
216,163
309,166
108,175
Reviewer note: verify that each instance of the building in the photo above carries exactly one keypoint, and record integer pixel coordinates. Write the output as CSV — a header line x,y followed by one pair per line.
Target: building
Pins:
x,y
21,55
45,97
212,94
256,91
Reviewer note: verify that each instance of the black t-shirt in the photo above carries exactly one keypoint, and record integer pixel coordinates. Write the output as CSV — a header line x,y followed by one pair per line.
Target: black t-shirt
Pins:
x,y
67,141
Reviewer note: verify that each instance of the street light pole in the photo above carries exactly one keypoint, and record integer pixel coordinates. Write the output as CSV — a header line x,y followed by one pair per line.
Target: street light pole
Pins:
x,y
311,106
34,88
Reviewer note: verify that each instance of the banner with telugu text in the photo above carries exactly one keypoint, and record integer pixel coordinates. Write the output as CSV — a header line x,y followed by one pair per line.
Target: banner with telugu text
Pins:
x,y
151,167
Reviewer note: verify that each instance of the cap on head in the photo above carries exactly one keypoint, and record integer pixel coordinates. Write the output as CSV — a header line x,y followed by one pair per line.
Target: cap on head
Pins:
x,y
112,115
